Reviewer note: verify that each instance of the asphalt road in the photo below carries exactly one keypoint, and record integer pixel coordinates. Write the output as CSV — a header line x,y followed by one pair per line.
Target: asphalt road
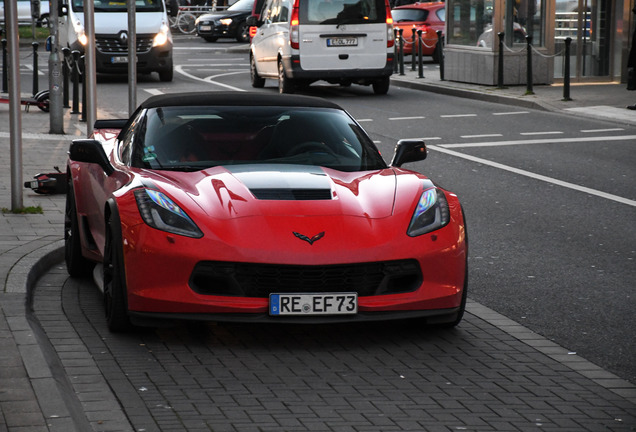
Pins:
x,y
549,198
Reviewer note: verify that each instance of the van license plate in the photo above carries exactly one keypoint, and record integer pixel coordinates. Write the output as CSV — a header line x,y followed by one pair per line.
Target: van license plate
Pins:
x,y
119,59
313,304
342,41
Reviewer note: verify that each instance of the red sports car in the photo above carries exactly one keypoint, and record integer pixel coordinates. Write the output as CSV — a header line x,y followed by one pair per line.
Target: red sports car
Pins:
x,y
238,206
428,17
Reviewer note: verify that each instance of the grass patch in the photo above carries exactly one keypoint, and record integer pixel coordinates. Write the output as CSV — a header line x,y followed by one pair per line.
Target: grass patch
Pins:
x,y
24,210
26,32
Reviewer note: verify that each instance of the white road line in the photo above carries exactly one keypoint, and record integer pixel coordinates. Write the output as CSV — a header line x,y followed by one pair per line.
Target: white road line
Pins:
x,y
535,176
458,115
364,120
407,118
481,136
601,130
511,113
153,92
541,133
208,80
541,141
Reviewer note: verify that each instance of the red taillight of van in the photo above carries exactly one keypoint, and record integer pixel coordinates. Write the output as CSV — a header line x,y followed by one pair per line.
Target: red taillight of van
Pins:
x,y
294,34
253,30
390,36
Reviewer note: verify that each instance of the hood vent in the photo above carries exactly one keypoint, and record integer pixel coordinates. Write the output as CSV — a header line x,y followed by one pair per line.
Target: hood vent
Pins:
x,y
292,194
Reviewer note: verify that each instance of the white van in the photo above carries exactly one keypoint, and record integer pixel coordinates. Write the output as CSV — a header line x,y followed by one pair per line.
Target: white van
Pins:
x,y
154,39
338,41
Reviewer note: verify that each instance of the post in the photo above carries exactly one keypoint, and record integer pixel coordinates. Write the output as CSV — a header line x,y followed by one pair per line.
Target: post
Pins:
x,y
566,73
90,70
401,48
4,66
419,54
500,72
66,55
413,51
75,73
529,90
440,54
395,50
35,46
56,109
132,57
84,85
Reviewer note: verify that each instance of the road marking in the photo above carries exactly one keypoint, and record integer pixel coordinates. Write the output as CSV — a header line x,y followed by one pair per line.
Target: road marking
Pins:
x,y
535,176
541,133
208,80
458,115
153,92
407,118
481,136
511,113
540,141
601,130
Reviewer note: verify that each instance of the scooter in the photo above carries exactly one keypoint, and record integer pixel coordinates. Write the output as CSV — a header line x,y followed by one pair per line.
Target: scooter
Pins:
x,y
40,100
48,183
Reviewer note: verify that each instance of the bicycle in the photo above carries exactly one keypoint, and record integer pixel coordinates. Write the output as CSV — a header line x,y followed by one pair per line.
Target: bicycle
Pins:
x,y
186,17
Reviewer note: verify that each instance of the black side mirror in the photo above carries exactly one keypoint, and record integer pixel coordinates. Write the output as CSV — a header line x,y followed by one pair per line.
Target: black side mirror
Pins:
x,y
90,151
408,151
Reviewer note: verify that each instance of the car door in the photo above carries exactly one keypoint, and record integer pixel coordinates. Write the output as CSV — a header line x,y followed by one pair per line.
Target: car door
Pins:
x,y
272,37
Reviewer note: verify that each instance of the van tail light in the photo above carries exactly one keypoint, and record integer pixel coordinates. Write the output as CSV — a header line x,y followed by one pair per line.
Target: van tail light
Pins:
x,y
294,33
390,36
253,30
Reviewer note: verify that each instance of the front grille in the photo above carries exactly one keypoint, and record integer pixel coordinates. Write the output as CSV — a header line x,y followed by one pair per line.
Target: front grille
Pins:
x,y
113,44
259,280
292,194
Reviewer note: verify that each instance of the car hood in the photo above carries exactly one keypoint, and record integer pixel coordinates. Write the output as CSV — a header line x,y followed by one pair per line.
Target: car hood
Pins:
x,y
283,190
222,14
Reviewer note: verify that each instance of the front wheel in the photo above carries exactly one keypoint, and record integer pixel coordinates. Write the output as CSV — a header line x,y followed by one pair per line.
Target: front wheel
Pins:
x,y
76,264
243,33
115,292
166,75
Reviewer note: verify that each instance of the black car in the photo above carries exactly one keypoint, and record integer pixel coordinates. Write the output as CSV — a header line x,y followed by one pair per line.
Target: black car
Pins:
x,y
229,23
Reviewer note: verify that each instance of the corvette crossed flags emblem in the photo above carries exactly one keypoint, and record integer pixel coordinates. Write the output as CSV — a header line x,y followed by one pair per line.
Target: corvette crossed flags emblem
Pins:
x,y
309,240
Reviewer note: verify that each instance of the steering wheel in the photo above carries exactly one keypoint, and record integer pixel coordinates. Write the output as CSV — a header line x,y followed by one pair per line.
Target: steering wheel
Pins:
x,y
311,147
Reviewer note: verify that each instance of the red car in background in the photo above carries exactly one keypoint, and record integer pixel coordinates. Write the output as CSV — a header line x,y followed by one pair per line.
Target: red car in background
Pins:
x,y
428,17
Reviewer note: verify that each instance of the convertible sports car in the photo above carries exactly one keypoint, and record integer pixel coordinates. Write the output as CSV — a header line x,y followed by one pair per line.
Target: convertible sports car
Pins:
x,y
249,206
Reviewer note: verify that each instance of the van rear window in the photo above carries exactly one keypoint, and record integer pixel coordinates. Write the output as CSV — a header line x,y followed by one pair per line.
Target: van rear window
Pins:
x,y
342,12
120,5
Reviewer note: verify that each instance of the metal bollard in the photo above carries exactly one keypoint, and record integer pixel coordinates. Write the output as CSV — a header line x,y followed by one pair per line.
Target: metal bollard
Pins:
x,y
440,54
35,46
420,48
395,50
75,76
4,66
413,52
566,73
500,72
66,54
401,48
529,90
82,70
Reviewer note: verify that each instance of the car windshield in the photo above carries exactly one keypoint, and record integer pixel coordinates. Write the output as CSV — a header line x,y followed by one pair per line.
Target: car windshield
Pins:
x,y
342,12
242,5
405,15
195,138
120,5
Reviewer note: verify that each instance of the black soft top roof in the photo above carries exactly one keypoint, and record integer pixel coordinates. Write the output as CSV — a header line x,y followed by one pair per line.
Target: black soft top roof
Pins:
x,y
235,99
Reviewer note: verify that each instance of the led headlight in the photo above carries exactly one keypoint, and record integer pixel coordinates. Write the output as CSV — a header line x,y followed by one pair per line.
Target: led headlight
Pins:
x,y
162,37
160,212
79,31
431,213
226,21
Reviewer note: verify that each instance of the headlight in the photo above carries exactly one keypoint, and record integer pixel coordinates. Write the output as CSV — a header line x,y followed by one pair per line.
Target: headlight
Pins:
x,y
430,214
162,37
160,212
79,31
226,21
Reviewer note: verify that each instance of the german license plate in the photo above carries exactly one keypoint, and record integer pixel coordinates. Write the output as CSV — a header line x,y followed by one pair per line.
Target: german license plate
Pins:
x,y
342,41
313,304
119,59
205,28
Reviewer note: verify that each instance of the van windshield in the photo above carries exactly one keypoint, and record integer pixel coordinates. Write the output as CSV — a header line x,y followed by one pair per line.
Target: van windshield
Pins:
x,y
342,12
120,5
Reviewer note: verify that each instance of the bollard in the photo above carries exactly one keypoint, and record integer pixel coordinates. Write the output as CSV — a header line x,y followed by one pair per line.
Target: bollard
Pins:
x,y
500,72
66,54
440,54
566,73
4,66
420,48
35,46
401,55
75,76
529,90
81,71
396,53
413,52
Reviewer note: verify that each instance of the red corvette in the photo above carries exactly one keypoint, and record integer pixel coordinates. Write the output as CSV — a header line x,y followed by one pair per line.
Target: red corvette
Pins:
x,y
239,206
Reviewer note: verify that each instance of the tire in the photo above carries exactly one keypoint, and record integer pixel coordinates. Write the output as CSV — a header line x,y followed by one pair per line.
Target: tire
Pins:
x,y
210,38
243,33
185,23
257,81
381,86
76,264
166,75
115,291
285,85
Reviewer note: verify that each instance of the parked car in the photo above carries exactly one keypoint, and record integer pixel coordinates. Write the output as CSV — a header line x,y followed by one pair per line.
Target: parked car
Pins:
x,y
259,207
229,23
428,17
25,14
342,42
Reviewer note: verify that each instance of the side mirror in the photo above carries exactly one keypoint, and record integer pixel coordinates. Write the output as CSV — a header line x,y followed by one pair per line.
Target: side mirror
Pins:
x,y
253,21
90,151
408,151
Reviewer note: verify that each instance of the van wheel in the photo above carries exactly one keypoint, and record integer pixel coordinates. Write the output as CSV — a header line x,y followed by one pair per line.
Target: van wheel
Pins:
x,y
381,86
210,38
166,75
285,85
257,81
